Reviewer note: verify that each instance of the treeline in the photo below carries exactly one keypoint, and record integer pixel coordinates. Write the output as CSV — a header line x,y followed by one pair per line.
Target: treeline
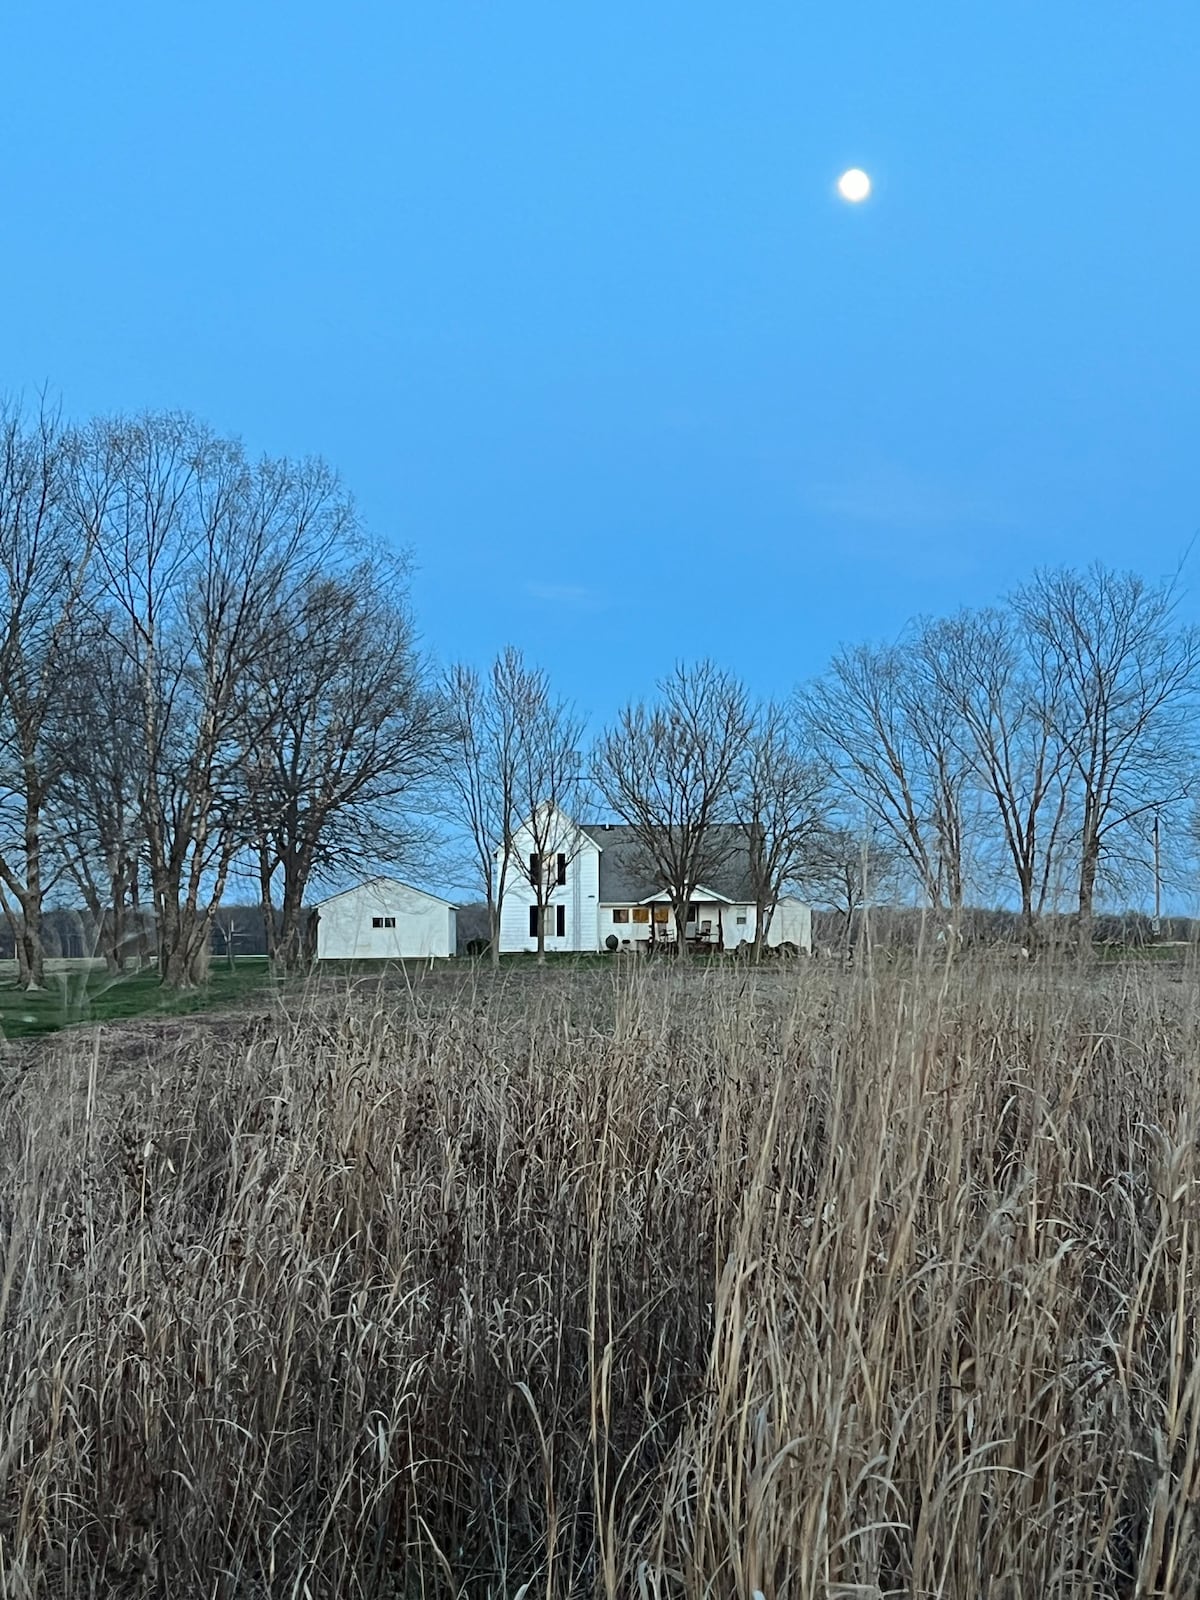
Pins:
x,y
208,672
204,663
1028,754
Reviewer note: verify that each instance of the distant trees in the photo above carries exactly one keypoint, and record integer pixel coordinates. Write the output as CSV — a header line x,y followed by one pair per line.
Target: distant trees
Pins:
x,y
1005,689
208,671
512,762
44,557
342,734
669,771
1029,744
202,663
198,552
780,798
892,742
1126,673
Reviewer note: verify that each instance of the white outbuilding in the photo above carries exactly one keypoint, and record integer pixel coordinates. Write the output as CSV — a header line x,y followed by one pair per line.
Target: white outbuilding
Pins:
x,y
385,920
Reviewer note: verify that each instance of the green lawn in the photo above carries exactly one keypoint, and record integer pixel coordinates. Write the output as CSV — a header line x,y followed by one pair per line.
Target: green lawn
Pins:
x,y
75,994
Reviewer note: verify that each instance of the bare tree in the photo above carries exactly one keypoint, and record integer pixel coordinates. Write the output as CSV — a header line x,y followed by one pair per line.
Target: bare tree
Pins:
x,y
44,557
780,794
667,771
1125,673
893,743
198,547
484,767
95,807
343,733
851,869
1005,686
551,794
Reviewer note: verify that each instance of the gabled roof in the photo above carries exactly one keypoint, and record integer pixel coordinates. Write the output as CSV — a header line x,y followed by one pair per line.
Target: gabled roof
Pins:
x,y
700,892
627,877
382,878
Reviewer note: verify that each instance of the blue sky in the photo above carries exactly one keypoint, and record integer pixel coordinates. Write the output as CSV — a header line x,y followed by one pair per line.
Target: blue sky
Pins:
x,y
566,293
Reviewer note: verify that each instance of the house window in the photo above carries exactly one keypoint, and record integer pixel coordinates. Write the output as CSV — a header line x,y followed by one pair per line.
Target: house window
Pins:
x,y
383,922
741,922
662,914
620,914
556,921
535,866
562,869
693,913
641,913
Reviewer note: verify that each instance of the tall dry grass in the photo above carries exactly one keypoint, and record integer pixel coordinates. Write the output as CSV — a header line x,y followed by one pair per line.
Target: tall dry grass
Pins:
x,y
659,1285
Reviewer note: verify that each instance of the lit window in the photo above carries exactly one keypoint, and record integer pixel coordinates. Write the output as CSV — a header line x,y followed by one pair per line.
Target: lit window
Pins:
x,y
662,913
641,913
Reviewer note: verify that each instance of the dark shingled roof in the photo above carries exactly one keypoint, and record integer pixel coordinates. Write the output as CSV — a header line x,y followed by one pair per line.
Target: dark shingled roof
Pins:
x,y
626,876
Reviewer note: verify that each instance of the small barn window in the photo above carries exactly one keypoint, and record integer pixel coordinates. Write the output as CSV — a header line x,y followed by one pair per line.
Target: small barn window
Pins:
x,y
561,921
620,914
562,869
383,922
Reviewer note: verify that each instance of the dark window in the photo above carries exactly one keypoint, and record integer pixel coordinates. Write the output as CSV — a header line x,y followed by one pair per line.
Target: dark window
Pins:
x,y
693,913
562,921
620,914
535,866
383,922
533,922
562,869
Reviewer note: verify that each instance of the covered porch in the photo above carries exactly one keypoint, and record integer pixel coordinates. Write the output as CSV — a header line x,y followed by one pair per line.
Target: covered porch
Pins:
x,y
711,920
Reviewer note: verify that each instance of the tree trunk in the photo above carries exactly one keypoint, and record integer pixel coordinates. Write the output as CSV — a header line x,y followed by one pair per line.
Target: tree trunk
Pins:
x,y
543,913
267,905
1089,867
182,945
494,931
289,951
763,911
139,920
680,909
1087,894
31,958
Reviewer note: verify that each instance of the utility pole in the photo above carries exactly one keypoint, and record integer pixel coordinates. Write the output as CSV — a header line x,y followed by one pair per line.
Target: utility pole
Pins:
x,y
1157,880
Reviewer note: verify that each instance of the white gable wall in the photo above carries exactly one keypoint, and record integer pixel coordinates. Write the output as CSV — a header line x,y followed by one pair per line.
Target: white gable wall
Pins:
x,y
579,896
425,926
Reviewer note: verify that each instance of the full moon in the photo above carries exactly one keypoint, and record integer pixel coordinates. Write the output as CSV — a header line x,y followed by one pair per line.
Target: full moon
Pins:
x,y
854,185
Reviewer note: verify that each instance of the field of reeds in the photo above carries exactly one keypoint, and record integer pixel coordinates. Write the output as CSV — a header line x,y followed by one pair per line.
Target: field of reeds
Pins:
x,y
650,1284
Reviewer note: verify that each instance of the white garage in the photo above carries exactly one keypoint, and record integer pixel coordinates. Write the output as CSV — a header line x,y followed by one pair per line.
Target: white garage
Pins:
x,y
385,920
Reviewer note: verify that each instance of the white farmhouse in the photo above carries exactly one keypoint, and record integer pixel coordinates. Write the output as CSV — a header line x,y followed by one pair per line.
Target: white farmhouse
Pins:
x,y
385,920
605,896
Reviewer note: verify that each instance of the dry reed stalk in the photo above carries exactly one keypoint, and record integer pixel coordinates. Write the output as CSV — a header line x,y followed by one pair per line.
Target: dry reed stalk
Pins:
x,y
675,1284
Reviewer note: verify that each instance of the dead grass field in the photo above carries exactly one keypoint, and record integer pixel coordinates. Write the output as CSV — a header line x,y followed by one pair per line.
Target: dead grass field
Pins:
x,y
633,1283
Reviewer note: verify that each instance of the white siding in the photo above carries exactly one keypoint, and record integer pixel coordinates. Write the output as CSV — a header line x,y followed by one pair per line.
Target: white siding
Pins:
x,y
425,926
579,896
792,924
